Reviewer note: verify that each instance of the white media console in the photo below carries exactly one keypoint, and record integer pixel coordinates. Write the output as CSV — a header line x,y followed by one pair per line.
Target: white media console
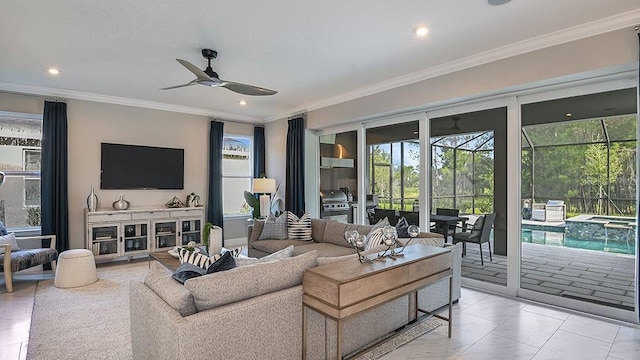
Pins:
x,y
111,234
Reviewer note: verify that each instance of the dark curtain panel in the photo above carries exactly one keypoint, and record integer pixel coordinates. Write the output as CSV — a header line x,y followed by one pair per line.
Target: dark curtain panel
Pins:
x,y
294,194
215,210
638,204
53,180
258,152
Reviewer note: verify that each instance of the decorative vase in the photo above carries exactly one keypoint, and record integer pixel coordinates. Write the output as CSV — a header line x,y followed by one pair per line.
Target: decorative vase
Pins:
x,y
121,204
92,200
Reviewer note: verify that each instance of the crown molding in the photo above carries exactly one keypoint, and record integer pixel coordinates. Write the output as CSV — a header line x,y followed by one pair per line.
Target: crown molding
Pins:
x,y
597,27
78,95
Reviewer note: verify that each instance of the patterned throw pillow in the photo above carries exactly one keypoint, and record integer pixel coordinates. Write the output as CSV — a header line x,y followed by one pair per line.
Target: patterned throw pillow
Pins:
x,y
234,252
374,238
3,229
299,228
275,228
402,227
11,240
200,260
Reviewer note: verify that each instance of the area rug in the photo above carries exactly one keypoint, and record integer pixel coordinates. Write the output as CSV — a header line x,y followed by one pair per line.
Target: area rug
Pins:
x,y
92,322
401,338
89,322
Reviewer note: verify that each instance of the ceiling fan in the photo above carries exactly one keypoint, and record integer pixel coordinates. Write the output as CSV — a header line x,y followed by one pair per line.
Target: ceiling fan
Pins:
x,y
453,129
209,77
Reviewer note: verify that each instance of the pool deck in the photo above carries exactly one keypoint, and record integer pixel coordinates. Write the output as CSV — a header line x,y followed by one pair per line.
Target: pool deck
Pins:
x,y
593,276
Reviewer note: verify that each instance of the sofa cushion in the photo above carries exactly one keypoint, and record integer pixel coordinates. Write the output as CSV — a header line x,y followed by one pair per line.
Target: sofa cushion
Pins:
x,y
280,254
324,249
274,228
256,230
271,246
173,293
299,228
334,232
317,229
245,282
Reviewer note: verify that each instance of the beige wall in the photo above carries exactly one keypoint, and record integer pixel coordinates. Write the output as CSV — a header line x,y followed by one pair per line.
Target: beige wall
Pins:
x,y
90,123
616,48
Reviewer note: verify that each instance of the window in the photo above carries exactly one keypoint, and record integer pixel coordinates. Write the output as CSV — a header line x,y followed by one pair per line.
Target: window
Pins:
x,y
20,150
237,172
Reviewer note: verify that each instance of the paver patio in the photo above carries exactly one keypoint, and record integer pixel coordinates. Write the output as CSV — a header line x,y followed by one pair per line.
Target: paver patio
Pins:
x,y
594,276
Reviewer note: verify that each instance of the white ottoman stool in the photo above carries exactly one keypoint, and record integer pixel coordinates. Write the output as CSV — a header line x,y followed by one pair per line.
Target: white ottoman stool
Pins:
x,y
76,267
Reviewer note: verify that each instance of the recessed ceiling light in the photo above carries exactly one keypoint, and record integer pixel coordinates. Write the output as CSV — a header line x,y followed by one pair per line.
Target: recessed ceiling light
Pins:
x,y
568,114
421,31
53,71
242,102
496,2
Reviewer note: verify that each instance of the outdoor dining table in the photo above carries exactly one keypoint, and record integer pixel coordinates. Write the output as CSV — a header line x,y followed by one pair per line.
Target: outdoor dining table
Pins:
x,y
443,222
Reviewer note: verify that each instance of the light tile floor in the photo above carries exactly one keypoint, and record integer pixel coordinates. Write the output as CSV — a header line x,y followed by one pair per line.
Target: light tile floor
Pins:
x,y
489,327
485,326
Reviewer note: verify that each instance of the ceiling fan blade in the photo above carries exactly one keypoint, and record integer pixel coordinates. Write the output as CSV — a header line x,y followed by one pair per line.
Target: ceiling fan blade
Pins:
x,y
183,85
246,89
201,75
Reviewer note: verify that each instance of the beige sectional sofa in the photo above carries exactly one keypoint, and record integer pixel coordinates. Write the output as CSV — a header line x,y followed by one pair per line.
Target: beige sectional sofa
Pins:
x,y
255,311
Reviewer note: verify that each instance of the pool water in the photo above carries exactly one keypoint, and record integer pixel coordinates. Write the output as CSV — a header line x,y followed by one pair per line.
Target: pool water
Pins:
x,y
556,238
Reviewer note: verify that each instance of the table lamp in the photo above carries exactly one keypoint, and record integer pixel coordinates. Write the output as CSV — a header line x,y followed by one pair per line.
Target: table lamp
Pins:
x,y
265,187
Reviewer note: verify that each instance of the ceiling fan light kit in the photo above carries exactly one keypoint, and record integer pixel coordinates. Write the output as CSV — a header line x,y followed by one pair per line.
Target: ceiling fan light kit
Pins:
x,y
208,77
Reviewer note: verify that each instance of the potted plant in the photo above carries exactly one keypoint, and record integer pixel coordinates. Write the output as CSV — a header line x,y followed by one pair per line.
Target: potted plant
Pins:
x,y
206,230
254,203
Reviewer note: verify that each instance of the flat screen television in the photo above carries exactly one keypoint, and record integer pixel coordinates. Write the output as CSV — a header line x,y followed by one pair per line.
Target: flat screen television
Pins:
x,y
141,167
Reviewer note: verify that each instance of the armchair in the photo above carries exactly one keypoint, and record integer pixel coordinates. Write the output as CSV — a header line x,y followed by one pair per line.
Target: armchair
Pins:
x,y
13,261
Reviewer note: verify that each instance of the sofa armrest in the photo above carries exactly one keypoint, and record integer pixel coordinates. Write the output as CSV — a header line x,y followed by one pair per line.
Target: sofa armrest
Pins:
x,y
51,238
253,232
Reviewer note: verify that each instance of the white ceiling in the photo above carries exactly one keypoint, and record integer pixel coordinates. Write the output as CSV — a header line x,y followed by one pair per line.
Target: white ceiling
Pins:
x,y
315,53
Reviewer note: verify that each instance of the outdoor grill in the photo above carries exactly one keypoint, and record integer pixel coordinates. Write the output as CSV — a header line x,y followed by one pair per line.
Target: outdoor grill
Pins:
x,y
335,206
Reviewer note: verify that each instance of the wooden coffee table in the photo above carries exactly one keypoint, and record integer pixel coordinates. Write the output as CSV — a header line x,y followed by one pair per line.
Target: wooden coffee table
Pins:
x,y
346,288
165,259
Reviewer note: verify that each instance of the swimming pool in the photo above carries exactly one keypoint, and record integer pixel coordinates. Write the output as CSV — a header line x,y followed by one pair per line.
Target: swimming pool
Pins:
x,y
618,245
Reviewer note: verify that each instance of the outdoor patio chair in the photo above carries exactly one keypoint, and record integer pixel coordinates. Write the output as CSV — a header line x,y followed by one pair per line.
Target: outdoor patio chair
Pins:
x,y
380,214
14,261
478,233
413,217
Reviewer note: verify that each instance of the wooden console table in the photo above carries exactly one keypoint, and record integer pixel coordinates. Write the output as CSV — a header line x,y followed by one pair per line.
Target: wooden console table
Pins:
x,y
343,289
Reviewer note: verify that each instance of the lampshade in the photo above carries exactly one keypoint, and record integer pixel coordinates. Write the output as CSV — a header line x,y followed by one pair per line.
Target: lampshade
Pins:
x,y
264,186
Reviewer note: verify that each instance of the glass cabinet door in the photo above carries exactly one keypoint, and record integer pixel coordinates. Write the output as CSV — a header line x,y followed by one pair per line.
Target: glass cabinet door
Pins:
x,y
104,239
136,237
165,234
191,230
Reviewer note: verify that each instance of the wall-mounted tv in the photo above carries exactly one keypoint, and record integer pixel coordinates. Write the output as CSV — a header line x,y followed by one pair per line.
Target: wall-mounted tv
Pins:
x,y
141,167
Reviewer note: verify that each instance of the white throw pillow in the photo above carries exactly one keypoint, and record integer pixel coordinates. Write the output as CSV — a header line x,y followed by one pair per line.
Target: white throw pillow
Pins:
x,y
11,240
280,254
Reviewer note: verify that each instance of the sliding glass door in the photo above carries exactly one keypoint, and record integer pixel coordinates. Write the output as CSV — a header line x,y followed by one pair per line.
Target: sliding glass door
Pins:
x,y
579,213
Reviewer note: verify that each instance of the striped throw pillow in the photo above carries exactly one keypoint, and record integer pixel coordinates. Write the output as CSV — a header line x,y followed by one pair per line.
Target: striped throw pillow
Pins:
x,y
299,228
197,259
374,238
